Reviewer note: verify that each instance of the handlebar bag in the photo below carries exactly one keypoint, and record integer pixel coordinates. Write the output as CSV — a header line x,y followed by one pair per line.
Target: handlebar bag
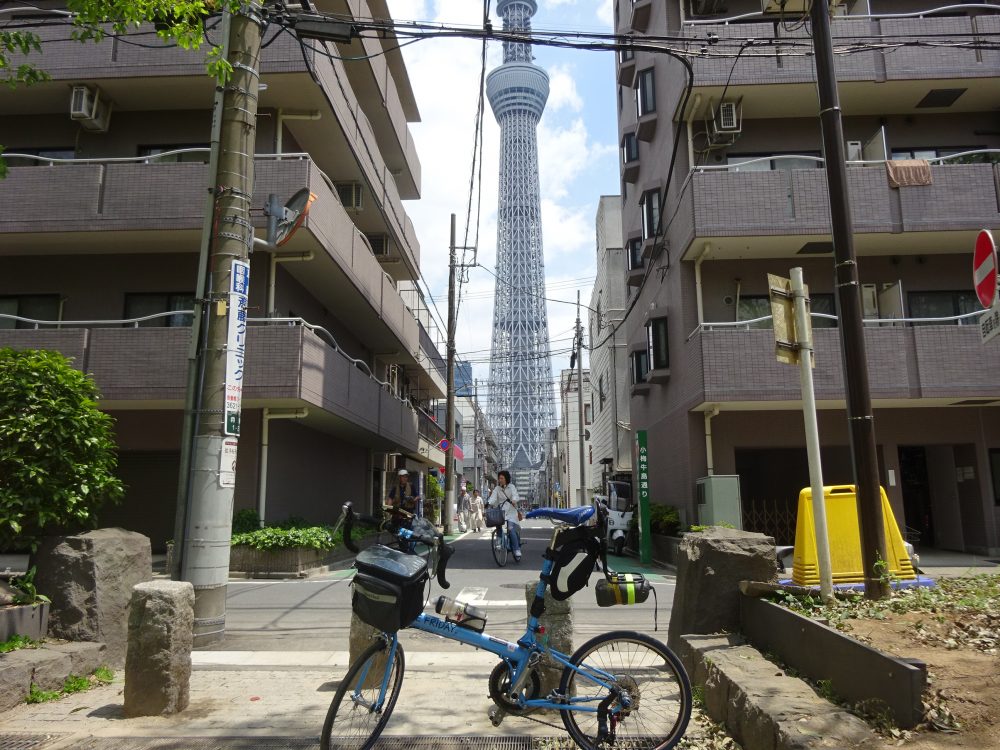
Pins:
x,y
388,588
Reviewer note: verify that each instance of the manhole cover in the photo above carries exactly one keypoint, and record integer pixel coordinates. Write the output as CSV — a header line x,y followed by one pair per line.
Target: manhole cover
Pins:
x,y
25,741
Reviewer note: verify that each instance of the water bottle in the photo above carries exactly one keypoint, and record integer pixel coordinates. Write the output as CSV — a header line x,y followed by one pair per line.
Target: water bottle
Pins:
x,y
460,613
622,588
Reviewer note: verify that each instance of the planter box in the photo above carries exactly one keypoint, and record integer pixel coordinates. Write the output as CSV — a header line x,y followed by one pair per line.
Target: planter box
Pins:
x,y
296,561
24,619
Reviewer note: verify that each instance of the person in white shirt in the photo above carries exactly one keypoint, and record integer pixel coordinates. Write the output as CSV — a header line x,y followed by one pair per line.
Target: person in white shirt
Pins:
x,y
505,495
476,511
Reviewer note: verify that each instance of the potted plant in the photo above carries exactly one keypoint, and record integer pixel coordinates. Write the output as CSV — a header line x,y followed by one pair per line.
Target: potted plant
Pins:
x,y
28,611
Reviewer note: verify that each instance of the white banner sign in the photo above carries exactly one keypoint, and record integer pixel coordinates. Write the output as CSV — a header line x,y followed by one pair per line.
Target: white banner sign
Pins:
x,y
236,344
989,324
227,462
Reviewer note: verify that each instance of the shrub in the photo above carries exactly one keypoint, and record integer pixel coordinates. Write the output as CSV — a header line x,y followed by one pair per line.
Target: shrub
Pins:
x,y
57,451
272,537
245,521
664,519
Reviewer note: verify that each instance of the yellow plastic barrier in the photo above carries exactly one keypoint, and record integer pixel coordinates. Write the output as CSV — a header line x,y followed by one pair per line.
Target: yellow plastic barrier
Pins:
x,y
845,539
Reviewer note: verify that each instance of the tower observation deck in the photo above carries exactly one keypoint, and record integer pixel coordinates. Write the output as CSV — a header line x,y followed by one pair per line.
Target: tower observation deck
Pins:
x,y
521,405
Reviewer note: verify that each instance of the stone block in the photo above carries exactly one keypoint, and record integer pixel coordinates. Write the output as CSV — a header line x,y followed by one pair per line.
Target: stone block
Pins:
x,y
89,578
15,681
361,636
160,638
49,669
710,566
558,623
84,656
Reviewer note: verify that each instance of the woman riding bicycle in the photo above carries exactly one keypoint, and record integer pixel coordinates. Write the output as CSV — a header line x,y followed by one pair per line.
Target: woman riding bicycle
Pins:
x,y
505,496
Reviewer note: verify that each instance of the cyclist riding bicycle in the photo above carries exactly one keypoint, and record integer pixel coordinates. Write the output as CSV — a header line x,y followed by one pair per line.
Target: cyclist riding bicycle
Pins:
x,y
505,496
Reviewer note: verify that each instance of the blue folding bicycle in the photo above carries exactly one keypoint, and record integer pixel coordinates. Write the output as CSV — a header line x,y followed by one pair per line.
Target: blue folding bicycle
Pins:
x,y
622,689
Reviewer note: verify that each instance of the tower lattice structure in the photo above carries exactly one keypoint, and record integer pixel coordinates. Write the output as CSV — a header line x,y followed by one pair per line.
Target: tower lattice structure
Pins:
x,y
521,404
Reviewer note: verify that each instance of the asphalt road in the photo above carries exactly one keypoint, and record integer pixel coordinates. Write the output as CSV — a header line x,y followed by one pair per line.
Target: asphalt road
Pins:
x,y
314,614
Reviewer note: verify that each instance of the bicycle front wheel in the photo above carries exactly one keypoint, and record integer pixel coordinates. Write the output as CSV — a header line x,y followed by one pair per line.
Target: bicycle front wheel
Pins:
x,y
356,718
499,541
643,669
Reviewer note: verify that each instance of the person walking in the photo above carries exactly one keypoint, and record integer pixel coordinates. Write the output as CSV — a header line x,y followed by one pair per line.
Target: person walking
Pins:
x,y
464,506
404,495
505,496
476,512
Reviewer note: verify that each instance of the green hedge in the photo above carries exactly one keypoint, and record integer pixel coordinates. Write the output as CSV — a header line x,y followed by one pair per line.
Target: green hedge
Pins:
x,y
312,537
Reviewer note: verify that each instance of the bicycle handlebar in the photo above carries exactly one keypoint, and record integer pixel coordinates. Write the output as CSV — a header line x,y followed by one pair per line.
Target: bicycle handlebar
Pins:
x,y
435,541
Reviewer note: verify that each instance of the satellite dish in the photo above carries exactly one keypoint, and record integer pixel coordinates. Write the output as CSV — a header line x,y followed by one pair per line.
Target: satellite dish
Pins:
x,y
292,215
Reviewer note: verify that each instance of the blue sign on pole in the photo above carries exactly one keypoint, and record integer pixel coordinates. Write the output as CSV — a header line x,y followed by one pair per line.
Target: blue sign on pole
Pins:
x,y
444,443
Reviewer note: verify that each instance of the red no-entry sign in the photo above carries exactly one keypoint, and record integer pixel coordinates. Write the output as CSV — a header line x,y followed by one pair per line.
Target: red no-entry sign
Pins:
x,y
984,269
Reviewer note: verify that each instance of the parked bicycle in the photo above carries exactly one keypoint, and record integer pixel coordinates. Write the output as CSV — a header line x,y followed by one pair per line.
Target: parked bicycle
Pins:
x,y
622,689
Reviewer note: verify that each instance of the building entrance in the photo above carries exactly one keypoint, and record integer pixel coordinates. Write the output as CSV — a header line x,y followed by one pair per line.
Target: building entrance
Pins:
x,y
915,485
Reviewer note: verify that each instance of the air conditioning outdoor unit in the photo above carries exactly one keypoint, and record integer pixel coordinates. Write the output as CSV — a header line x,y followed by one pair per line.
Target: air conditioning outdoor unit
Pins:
x,y
87,108
351,195
379,244
727,120
707,7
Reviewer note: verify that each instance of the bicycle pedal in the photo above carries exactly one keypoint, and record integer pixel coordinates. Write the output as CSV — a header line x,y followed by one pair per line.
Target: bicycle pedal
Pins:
x,y
496,715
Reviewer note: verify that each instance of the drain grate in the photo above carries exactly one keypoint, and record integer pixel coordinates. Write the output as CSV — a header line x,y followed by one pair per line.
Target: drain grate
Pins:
x,y
25,741
467,742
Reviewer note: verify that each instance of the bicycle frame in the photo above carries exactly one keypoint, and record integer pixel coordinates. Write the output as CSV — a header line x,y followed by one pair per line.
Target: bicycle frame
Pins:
x,y
517,654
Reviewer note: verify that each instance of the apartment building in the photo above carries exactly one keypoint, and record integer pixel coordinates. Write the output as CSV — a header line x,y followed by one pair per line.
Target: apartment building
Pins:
x,y
611,433
99,238
747,197
568,440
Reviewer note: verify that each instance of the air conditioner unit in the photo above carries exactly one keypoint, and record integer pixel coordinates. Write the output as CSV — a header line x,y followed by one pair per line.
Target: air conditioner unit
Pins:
x,y
87,108
707,7
855,151
379,244
351,195
727,119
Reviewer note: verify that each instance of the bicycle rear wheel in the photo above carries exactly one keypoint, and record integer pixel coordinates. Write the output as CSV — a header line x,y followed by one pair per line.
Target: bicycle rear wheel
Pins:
x,y
353,723
499,542
653,678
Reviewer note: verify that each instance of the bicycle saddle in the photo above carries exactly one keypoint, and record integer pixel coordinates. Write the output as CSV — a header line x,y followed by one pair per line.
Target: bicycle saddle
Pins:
x,y
573,516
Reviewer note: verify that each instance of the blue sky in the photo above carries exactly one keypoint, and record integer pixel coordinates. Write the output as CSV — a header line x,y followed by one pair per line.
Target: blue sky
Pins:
x,y
578,160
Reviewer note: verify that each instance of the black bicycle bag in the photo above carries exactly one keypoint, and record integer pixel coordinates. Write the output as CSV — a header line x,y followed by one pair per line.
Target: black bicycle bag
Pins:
x,y
388,588
573,562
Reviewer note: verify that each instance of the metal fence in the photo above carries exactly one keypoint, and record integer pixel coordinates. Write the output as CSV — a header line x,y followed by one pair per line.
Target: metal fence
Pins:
x,y
775,518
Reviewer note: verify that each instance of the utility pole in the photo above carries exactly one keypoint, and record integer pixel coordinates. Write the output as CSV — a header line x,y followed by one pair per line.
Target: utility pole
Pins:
x,y
579,399
475,435
860,419
449,418
224,277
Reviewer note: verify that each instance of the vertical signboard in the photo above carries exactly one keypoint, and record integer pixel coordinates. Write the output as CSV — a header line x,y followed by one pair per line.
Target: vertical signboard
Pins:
x,y
236,344
642,493
227,462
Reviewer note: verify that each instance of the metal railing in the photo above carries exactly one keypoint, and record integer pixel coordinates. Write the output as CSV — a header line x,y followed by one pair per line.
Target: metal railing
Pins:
x,y
745,325
850,17
939,160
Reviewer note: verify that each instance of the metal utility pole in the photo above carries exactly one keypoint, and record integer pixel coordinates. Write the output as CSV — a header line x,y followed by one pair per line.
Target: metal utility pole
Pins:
x,y
205,516
449,418
475,435
859,408
579,398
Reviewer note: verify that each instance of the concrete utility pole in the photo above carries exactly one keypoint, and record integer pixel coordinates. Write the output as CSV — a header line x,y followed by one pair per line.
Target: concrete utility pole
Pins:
x,y
205,515
449,418
579,399
860,419
475,436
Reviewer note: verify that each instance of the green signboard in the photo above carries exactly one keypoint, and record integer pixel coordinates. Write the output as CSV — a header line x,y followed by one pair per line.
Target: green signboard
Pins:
x,y
642,493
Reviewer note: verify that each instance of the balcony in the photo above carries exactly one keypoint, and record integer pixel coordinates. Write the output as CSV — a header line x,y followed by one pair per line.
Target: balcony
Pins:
x,y
639,19
287,365
626,68
778,213
117,207
872,82
930,365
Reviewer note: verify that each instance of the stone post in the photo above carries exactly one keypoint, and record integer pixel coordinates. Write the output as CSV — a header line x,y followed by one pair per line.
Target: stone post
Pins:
x,y
160,636
558,623
710,567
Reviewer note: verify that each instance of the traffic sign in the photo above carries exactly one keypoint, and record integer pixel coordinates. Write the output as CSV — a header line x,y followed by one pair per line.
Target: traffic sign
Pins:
x,y
443,444
984,269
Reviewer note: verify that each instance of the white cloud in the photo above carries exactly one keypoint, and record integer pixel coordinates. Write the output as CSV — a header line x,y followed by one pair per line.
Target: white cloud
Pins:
x,y
565,152
606,13
562,90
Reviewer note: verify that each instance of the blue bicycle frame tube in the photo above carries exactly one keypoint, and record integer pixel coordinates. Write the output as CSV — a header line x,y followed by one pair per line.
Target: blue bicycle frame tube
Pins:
x,y
377,705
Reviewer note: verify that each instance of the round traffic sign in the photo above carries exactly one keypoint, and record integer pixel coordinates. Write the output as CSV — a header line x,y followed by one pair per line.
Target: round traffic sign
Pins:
x,y
984,269
443,444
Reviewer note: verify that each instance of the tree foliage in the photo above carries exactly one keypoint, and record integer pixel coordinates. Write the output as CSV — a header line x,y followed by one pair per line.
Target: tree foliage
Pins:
x,y
57,452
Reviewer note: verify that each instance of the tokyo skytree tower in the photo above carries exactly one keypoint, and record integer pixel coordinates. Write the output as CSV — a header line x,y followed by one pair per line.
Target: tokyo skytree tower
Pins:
x,y
521,405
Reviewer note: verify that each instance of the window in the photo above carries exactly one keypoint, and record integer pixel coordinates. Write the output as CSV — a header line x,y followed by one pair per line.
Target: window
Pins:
x,y
588,413
943,305
621,99
59,152
755,306
645,96
630,148
649,206
197,156
656,337
626,55
32,306
600,393
995,472
139,305
635,260
640,366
